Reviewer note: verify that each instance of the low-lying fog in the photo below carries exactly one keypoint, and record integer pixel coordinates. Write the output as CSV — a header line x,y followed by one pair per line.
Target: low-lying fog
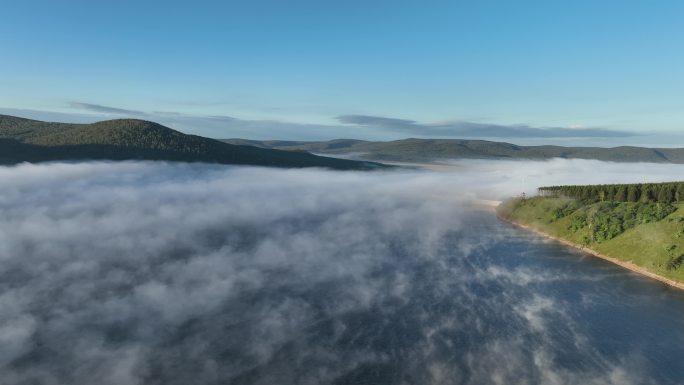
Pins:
x,y
156,273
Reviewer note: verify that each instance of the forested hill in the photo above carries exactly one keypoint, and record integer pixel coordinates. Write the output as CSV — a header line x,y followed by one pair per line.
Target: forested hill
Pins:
x,y
667,192
26,140
429,150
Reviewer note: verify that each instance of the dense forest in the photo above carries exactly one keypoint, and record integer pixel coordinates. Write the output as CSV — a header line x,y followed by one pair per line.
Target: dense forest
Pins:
x,y
668,192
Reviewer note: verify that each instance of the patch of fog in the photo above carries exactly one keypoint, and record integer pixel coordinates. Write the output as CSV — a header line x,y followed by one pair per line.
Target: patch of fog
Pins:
x,y
509,177
142,272
347,155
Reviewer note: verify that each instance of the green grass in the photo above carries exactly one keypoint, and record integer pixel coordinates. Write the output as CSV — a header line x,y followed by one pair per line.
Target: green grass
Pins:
x,y
651,245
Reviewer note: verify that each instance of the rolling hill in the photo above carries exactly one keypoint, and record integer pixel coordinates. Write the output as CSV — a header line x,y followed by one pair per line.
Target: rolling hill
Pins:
x,y
430,150
26,140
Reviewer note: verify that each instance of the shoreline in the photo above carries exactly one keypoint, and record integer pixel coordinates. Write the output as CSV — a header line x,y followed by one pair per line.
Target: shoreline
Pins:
x,y
625,264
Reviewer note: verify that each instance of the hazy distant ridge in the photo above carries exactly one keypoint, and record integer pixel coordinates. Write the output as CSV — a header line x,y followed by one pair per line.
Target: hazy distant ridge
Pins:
x,y
427,150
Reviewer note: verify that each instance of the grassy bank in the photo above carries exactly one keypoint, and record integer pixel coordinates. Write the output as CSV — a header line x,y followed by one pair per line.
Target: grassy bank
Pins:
x,y
647,235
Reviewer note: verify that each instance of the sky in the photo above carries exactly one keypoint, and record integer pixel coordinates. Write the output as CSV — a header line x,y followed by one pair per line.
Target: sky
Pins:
x,y
576,72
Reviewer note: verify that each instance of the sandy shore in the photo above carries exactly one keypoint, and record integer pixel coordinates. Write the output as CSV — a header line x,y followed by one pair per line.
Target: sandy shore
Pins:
x,y
625,264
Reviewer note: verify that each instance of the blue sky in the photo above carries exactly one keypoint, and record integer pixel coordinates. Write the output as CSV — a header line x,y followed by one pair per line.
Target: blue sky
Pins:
x,y
598,72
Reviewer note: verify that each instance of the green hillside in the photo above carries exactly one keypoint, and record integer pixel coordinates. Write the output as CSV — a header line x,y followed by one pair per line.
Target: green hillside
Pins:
x,y
25,140
647,234
429,150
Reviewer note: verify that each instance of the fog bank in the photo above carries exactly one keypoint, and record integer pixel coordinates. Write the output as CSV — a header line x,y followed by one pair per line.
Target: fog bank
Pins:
x,y
143,272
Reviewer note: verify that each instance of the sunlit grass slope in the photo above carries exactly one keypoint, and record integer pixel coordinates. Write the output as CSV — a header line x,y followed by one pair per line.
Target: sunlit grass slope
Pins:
x,y
649,235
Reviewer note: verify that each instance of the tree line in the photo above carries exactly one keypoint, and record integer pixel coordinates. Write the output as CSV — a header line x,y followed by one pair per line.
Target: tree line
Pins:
x,y
668,192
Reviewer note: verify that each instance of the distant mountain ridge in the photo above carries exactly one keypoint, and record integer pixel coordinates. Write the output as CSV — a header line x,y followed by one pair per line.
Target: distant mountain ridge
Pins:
x,y
430,150
26,140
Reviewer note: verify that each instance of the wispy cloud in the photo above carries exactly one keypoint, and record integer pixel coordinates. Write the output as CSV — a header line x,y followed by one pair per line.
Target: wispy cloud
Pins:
x,y
215,126
104,109
472,129
378,121
366,127
463,129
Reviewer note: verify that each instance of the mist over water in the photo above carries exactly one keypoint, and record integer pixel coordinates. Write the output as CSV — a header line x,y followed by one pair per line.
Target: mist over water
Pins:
x,y
155,273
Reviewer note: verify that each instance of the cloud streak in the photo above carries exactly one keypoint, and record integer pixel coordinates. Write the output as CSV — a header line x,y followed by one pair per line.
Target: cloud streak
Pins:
x,y
105,109
214,126
463,129
366,127
138,273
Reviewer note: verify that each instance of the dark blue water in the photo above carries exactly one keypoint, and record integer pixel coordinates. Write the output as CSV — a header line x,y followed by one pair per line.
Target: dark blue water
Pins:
x,y
517,310
513,309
